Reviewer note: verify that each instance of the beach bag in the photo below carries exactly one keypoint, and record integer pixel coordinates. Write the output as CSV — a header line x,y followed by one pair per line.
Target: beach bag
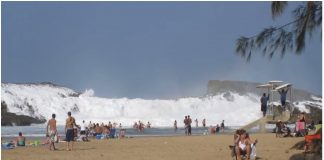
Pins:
x,y
253,152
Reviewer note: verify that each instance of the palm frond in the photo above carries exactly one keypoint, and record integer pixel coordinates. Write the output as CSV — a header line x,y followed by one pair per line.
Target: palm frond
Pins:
x,y
277,8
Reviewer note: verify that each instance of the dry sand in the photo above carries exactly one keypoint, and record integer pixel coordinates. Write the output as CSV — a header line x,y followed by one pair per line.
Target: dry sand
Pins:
x,y
210,147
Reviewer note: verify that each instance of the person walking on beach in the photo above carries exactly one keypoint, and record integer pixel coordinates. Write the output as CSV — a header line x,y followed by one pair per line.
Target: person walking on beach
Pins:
x,y
51,126
222,126
185,121
189,125
175,125
69,131
264,100
283,95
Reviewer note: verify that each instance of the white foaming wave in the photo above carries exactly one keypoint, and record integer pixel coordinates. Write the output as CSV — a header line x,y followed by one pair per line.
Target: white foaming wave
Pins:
x,y
46,100
302,106
316,98
235,109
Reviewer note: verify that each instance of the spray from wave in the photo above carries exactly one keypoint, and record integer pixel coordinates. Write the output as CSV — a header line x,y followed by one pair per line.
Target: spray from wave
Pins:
x,y
43,100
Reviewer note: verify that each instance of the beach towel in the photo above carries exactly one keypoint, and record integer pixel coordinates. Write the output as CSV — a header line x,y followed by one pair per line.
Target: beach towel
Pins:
x,y
309,138
7,146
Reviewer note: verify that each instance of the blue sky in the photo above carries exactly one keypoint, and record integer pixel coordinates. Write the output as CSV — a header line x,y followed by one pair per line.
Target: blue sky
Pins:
x,y
145,49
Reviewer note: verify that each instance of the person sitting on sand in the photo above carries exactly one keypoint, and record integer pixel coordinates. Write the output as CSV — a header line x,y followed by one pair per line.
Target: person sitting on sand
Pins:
x,y
302,117
84,131
217,128
286,130
20,140
243,144
212,130
122,133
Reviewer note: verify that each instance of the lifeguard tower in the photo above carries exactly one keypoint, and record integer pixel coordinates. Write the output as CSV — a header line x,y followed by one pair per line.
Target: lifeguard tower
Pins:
x,y
273,115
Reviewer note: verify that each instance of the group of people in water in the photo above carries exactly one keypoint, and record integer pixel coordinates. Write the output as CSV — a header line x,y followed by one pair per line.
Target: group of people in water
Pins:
x,y
188,128
140,126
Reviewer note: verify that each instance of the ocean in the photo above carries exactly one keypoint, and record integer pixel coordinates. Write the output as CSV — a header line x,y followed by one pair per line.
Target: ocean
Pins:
x,y
39,131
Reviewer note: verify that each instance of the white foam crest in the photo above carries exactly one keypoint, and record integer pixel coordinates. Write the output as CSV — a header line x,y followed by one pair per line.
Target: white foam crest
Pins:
x,y
235,109
88,93
316,98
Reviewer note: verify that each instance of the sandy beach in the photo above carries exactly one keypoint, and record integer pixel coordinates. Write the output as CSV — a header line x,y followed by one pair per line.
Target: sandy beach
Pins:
x,y
209,147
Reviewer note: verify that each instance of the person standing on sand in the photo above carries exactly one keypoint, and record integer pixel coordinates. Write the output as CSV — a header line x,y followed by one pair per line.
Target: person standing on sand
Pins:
x,y
51,126
185,121
264,100
189,125
69,131
222,126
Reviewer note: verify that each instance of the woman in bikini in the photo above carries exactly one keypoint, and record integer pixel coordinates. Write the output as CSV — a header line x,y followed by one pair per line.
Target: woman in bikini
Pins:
x,y
243,144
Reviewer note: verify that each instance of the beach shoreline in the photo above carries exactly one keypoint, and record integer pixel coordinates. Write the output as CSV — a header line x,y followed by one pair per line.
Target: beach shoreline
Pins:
x,y
165,147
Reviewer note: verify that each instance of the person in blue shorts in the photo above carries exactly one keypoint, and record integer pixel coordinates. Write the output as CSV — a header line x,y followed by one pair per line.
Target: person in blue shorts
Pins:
x,y
69,131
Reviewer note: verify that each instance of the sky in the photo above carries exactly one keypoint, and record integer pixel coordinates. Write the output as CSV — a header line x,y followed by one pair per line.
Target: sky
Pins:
x,y
150,50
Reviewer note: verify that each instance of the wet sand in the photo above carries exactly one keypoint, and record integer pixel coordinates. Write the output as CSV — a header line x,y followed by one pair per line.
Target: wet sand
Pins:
x,y
209,147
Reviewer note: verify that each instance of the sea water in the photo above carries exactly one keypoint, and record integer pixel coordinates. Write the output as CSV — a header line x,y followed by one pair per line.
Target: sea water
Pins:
x,y
39,131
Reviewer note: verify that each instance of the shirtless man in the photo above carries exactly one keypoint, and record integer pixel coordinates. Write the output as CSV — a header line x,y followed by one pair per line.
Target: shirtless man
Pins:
x,y
69,131
51,124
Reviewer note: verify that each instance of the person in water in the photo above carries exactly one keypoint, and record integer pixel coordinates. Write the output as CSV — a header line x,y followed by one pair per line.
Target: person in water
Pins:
x,y
175,125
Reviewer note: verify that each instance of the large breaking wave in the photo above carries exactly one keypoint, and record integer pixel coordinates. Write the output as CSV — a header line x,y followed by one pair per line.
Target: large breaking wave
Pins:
x,y
43,100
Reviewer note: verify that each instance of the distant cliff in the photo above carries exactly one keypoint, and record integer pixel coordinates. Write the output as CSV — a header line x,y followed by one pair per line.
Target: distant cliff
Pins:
x,y
11,119
241,87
